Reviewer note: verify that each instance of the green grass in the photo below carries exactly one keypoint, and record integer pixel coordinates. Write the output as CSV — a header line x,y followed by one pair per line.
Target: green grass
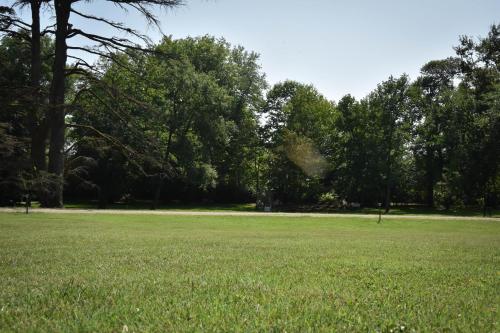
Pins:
x,y
97,273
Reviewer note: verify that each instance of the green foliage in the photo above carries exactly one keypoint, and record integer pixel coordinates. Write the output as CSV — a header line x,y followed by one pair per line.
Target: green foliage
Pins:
x,y
329,198
15,128
447,191
13,154
298,120
356,154
189,122
185,114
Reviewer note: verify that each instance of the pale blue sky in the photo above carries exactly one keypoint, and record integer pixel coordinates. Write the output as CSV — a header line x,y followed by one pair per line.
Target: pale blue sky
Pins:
x,y
339,46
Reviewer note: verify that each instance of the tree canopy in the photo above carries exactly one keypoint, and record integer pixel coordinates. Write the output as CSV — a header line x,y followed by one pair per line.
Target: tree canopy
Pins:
x,y
194,119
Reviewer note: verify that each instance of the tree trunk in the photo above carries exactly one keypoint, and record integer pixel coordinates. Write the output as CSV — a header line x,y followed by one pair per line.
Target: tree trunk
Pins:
x,y
56,100
157,194
388,177
161,176
103,198
39,146
486,205
387,197
37,123
430,179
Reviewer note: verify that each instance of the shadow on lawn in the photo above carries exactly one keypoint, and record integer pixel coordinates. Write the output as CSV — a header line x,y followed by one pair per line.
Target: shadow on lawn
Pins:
x,y
249,207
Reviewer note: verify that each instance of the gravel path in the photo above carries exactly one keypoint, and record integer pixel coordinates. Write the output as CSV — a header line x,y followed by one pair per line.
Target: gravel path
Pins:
x,y
234,213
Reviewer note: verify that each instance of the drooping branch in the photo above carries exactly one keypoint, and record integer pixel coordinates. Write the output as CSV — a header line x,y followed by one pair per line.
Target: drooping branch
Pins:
x,y
111,56
81,62
120,114
131,155
111,44
116,25
48,30
12,25
144,7
8,18
115,110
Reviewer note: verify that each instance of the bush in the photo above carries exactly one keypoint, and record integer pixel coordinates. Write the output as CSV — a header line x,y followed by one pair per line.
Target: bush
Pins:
x,y
447,193
330,198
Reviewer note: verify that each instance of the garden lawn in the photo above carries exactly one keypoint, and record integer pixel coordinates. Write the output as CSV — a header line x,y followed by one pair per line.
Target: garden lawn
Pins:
x,y
136,273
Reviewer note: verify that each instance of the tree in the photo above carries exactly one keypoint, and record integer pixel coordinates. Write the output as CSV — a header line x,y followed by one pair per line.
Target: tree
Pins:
x,y
177,113
480,68
389,103
356,152
298,124
40,50
19,109
430,94
64,31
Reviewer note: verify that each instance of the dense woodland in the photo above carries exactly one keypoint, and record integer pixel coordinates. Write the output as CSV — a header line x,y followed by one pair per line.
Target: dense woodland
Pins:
x,y
194,120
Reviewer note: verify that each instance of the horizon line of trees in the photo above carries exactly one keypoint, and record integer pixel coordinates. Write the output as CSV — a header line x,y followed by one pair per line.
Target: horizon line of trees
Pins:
x,y
194,120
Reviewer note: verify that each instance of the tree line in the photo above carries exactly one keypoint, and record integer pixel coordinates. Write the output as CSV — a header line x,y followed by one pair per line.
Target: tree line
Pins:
x,y
194,120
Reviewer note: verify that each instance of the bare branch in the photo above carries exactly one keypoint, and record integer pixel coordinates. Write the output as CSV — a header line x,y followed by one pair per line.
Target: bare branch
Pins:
x,y
109,55
117,25
144,7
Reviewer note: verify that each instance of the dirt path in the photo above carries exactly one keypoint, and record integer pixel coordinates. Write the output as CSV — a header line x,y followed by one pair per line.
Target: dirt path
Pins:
x,y
231,213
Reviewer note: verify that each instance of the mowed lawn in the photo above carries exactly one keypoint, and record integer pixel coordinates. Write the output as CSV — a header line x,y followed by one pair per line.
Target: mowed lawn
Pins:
x,y
140,273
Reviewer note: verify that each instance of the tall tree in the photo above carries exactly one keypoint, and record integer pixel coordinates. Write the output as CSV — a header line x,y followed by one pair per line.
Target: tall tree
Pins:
x,y
40,49
21,110
430,94
480,67
356,152
57,98
390,105
298,124
37,116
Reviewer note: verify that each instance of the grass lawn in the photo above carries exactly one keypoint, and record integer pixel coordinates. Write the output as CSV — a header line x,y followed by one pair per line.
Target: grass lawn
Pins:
x,y
103,273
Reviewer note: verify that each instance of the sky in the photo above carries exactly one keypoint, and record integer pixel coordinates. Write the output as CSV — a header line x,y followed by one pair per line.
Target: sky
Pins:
x,y
339,46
